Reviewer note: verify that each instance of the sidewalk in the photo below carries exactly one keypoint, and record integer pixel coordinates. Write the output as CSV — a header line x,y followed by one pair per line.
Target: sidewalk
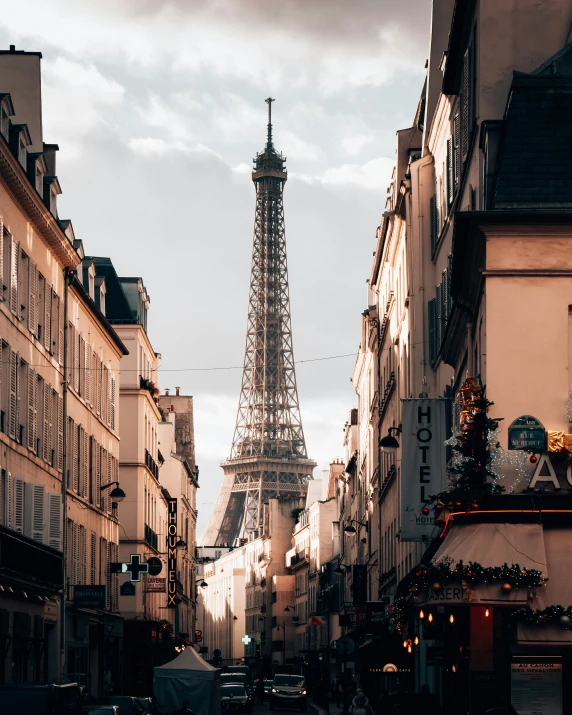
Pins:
x,y
334,709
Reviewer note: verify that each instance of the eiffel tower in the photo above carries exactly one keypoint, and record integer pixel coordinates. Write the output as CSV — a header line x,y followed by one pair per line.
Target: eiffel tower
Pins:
x,y
268,457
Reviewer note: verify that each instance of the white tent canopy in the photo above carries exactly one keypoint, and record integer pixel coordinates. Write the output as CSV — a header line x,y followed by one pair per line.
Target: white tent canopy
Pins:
x,y
188,678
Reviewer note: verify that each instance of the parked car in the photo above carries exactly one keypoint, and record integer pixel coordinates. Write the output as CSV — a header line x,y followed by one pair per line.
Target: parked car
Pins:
x,y
40,699
267,689
233,679
127,705
149,706
240,669
235,699
288,691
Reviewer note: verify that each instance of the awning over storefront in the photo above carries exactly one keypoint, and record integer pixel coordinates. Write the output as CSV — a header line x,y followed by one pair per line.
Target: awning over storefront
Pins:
x,y
491,545
495,545
556,592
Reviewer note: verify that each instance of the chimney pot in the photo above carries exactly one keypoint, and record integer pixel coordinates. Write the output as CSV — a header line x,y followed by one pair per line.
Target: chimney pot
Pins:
x,y
177,391
166,390
12,48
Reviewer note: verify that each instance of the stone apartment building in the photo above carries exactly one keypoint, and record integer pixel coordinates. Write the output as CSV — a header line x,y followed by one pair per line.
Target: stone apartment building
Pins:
x,y
58,414
476,225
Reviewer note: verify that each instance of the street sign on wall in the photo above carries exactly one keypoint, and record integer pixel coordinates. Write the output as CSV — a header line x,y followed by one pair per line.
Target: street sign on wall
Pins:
x,y
423,464
527,432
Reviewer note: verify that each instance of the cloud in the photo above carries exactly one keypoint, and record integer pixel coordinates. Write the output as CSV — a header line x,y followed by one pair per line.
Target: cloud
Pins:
x,y
354,144
158,114
77,97
295,148
374,175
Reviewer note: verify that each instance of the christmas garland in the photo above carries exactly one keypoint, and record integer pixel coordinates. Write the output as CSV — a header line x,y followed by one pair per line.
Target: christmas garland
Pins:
x,y
435,576
548,616
471,471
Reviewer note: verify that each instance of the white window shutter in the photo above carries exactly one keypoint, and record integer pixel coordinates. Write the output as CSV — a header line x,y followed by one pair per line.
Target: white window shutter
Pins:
x,y
32,380
34,524
82,556
75,554
60,331
74,442
112,401
47,397
48,319
85,465
19,506
60,432
55,521
93,559
32,298
76,366
14,282
98,492
13,406
88,375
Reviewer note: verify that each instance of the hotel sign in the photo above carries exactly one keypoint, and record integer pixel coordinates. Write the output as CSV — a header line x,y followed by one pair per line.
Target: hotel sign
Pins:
x,y
172,539
423,464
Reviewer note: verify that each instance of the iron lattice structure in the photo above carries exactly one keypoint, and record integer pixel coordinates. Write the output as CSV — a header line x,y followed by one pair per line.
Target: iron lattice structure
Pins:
x,y
268,456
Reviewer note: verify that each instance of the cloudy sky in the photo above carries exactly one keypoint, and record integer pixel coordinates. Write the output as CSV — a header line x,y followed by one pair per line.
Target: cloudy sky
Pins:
x,y
158,108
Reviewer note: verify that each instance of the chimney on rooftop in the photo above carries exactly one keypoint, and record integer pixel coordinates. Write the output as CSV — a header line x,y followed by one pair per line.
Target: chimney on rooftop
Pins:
x,y
166,390
177,391
12,48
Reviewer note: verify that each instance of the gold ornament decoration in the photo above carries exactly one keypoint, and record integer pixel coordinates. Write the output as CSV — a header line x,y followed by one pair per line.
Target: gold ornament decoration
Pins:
x,y
506,587
555,441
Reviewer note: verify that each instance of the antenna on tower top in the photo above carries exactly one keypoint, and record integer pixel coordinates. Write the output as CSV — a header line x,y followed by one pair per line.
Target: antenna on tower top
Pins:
x,y
269,103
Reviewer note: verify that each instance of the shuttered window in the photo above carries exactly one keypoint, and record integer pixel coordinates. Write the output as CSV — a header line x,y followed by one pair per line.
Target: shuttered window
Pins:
x,y
32,408
433,226
439,316
432,321
112,398
60,433
456,137
60,331
69,356
88,375
93,559
55,521
48,418
105,390
82,566
85,464
13,406
14,278
32,298
76,361
450,180
2,282
48,318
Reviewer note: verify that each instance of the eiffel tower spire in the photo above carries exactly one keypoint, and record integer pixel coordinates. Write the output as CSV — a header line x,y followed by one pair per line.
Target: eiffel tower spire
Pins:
x,y
268,455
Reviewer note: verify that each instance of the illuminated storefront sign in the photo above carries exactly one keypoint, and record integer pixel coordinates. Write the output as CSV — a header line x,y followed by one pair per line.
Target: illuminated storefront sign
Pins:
x,y
172,539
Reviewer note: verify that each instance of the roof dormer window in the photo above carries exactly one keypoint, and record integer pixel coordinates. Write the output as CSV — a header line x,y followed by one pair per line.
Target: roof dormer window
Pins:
x,y
22,151
39,180
4,123
53,200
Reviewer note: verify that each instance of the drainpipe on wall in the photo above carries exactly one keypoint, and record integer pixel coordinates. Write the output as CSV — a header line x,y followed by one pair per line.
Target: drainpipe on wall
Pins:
x,y
63,651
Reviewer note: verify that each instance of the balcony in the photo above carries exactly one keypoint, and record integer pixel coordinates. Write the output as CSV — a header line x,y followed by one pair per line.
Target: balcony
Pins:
x,y
151,465
151,537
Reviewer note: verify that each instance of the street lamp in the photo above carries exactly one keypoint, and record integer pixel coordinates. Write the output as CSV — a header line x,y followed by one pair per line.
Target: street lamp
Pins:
x,y
117,495
389,444
290,608
349,529
339,568
202,583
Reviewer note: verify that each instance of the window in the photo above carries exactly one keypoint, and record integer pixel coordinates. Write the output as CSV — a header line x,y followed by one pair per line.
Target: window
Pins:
x,y
78,665
39,181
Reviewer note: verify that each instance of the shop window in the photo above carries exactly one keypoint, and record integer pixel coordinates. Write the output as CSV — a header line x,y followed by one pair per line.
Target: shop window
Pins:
x,y
77,665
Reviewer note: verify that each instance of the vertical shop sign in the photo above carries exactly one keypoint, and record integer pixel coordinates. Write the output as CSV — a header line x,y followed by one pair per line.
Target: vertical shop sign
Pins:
x,y
423,464
172,554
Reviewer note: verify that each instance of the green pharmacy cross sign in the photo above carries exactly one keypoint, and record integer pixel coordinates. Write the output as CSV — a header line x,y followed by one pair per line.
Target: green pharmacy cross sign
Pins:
x,y
246,639
135,568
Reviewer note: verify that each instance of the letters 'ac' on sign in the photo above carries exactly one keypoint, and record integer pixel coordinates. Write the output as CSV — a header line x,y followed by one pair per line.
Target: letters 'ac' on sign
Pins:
x,y
527,432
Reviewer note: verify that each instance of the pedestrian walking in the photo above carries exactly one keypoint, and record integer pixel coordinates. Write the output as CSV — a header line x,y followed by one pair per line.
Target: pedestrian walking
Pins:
x,y
360,704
